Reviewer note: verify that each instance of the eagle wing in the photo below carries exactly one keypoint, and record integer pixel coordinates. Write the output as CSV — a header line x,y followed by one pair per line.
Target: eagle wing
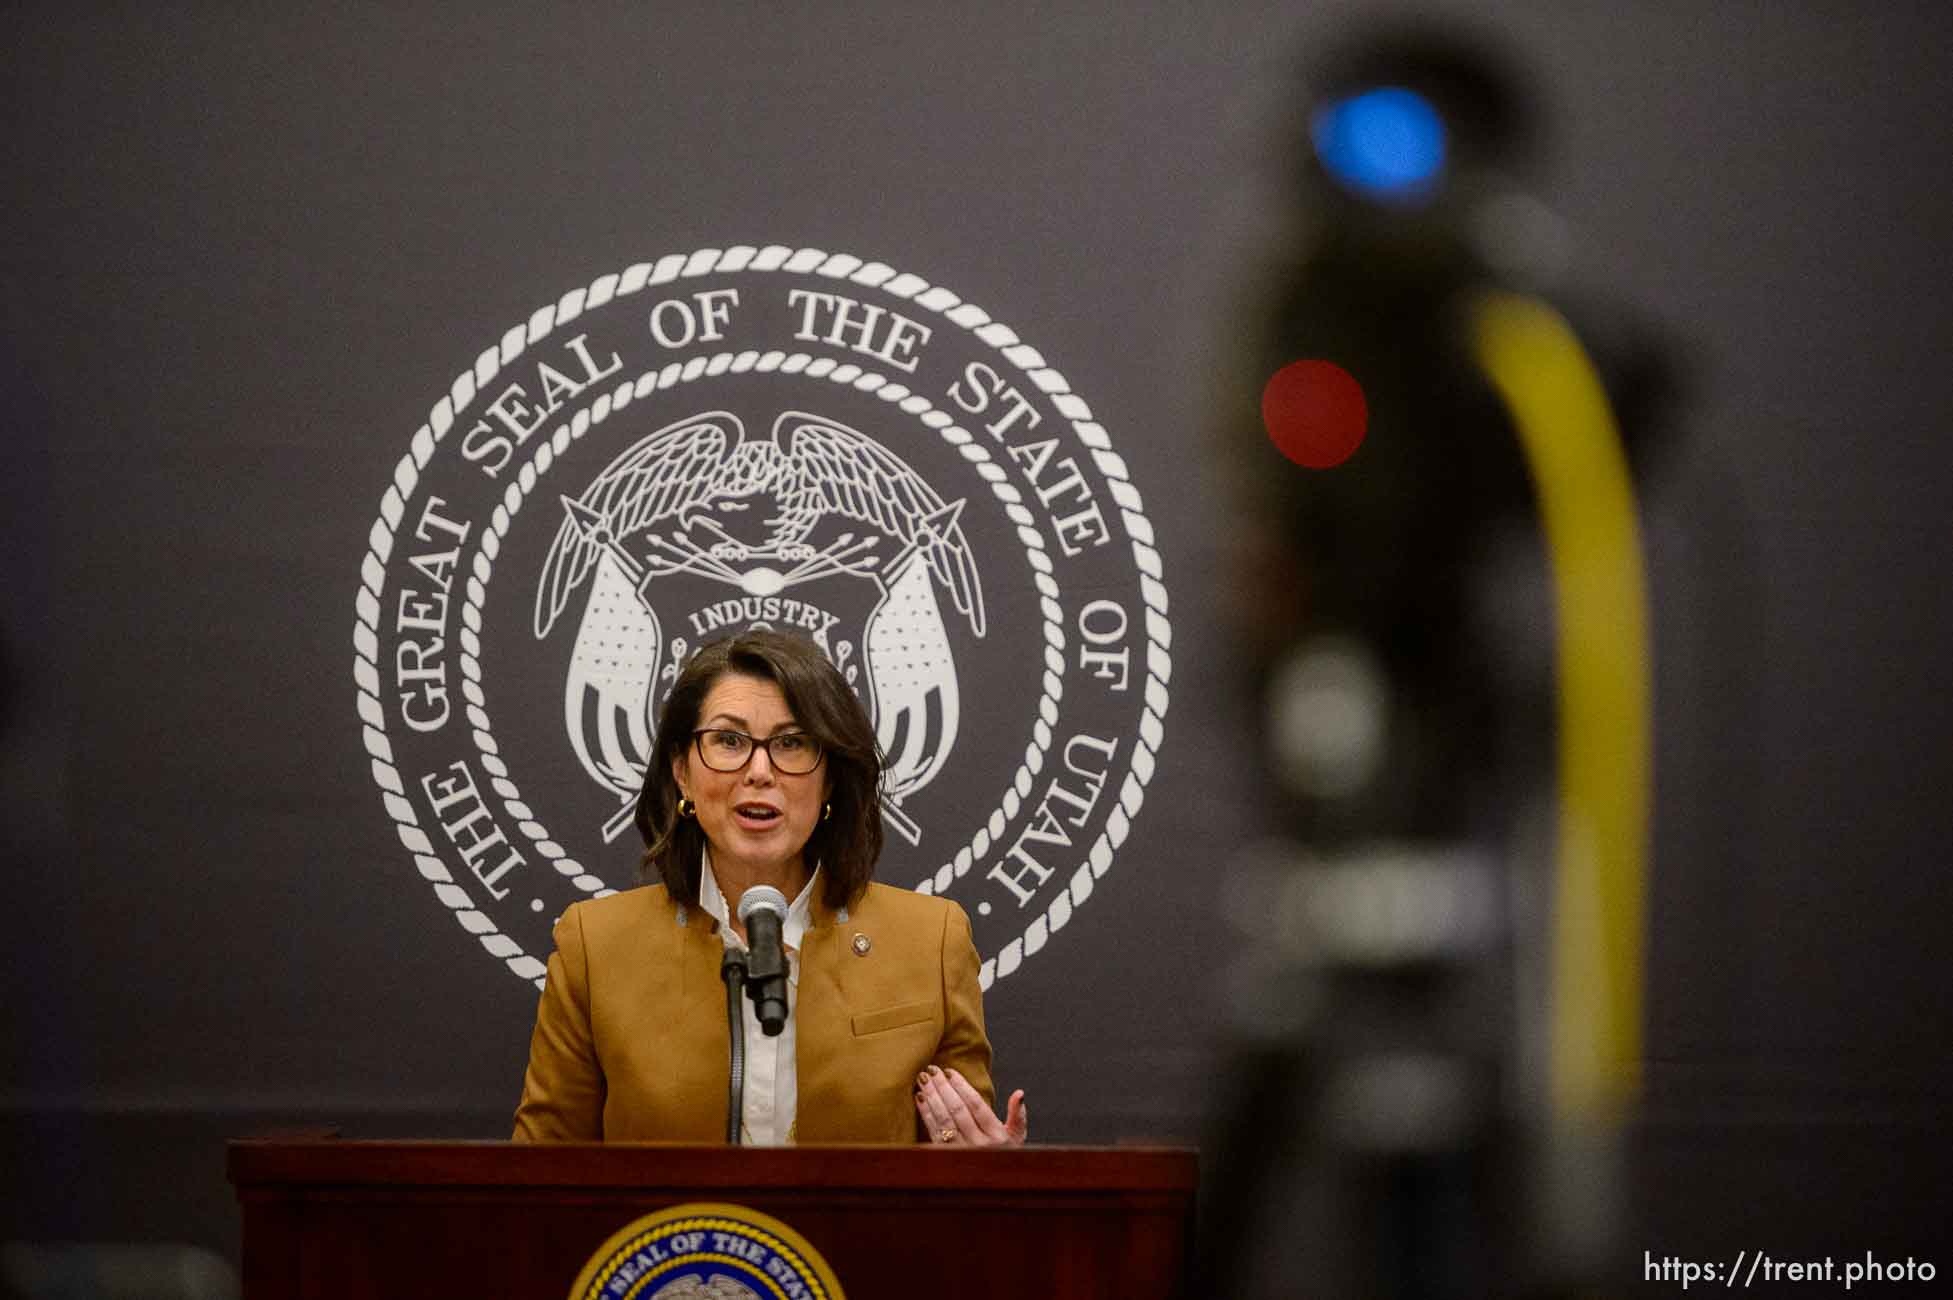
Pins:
x,y
661,474
838,470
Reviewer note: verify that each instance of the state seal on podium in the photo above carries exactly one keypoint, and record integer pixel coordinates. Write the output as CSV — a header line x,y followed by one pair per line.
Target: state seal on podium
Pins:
x,y
706,1251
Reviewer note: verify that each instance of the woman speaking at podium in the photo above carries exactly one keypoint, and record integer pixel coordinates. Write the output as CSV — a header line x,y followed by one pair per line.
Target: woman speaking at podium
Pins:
x,y
765,772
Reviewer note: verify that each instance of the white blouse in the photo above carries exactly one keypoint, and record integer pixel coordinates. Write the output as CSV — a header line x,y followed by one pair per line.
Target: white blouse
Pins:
x,y
772,1079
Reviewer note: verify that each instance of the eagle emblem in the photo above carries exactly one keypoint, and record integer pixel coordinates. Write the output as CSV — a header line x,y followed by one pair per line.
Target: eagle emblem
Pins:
x,y
813,519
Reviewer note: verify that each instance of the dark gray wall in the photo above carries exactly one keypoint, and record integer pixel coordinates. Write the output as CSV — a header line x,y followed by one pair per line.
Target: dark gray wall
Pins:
x,y
247,250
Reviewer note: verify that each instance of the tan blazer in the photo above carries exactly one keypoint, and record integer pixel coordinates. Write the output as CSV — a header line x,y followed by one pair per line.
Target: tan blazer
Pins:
x,y
630,1039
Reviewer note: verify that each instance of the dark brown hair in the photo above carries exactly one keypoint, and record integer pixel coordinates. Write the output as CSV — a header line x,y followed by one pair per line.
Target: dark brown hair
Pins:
x,y
845,844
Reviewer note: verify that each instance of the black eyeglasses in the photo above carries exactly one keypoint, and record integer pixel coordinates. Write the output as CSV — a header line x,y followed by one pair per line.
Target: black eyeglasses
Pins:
x,y
793,752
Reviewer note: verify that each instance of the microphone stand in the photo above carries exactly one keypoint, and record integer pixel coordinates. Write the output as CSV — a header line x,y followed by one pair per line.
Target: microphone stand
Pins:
x,y
732,969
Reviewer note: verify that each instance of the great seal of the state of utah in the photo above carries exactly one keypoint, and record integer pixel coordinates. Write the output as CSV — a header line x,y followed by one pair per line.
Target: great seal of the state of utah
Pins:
x,y
761,436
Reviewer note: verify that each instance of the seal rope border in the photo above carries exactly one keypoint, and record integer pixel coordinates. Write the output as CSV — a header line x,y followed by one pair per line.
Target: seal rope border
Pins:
x,y
847,374
774,257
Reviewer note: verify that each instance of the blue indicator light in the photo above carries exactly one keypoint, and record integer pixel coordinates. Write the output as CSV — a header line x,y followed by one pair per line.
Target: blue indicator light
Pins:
x,y
1385,144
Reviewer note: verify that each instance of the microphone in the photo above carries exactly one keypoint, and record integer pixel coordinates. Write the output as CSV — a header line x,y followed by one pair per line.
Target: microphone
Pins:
x,y
763,911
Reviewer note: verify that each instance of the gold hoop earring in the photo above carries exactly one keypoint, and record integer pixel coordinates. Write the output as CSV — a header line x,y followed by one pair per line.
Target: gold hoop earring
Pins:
x,y
686,807
827,811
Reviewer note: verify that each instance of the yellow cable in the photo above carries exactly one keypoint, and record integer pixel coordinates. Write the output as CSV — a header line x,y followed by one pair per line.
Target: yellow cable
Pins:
x,y
1587,509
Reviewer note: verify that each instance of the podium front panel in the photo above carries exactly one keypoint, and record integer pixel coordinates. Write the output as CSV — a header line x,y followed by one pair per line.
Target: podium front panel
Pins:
x,y
338,1218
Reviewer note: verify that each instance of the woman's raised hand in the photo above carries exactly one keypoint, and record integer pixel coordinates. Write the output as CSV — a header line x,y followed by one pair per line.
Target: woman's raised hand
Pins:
x,y
955,1114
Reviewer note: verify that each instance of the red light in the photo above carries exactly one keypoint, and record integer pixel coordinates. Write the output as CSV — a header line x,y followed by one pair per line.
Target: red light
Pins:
x,y
1315,413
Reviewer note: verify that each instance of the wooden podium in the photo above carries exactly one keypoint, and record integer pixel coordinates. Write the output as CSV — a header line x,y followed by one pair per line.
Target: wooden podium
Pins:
x,y
334,1218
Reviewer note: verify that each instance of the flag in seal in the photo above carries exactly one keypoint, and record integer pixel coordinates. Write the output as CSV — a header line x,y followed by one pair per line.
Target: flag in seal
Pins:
x,y
761,437
706,1251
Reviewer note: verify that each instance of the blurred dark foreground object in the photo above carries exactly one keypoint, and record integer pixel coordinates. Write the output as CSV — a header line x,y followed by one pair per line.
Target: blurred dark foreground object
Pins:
x,y
1434,1024
114,1271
